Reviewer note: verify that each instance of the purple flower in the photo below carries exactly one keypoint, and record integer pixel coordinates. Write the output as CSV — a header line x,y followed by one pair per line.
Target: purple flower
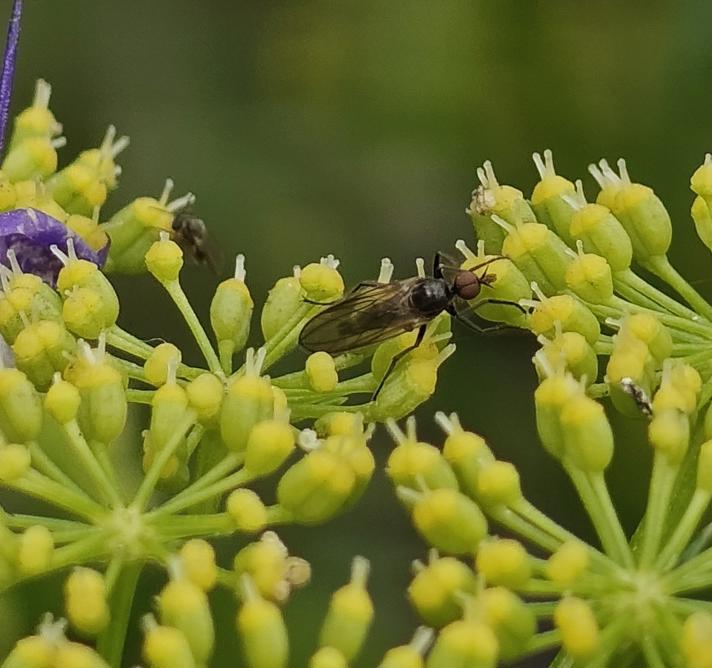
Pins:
x,y
31,233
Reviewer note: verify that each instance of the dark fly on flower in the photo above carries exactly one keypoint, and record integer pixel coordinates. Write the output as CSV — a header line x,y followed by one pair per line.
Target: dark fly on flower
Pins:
x,y
373,312
191,233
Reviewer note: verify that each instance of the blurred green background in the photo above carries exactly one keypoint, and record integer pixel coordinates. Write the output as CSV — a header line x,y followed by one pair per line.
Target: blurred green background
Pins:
x,y
308,127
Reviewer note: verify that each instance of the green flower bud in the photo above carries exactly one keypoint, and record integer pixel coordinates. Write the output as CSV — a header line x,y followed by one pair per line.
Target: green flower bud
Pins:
x,y
339,423
570,312
266,561
630,361
356,454
589,278
83,185
15,460
449,521
164,259
321,372
167,647
85,601
322,282
498,484
20,407
696,640
512,621
36,120
42,349
350,614
601,233
579,630
427,350
269,444
465,643
184,606
702,217
88,229
76,655
503,561
32,158
169,406
679,388
550,397
231,311
568,563
669,433
205,395
316,487
436,590
87,314
27,295
247,511
159,361
263,633
648,329
550,198
571,350
327,657
539,254
704,467
410,655
283,300
32,652
197,563
248,400
588,437
504,201
102,413
35,550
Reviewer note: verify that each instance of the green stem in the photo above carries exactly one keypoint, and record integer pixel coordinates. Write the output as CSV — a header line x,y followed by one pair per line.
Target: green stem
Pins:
x,y
128,343
111,642
42,462
18,521
631,279
542,608
286,336
662,481
598,484
519,525
542,641
180,526
653,657
684,530
226,350
140,396
175,291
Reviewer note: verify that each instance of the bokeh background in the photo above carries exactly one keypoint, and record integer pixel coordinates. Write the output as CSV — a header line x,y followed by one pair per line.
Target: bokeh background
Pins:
x,y
308,127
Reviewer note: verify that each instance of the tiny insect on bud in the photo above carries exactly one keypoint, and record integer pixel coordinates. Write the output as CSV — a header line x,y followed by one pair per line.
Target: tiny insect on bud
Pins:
x,y
85,601
164,259
35,550
20,407
503,561
512,621
629,363
247,510
568,563
197,563
579,630
549,197
15,460
464,643
435,591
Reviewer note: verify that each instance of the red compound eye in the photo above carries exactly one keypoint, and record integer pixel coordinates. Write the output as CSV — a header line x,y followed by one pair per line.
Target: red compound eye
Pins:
x,y
467,285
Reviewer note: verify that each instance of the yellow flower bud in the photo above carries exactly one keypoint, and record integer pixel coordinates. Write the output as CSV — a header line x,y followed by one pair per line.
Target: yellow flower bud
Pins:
x,y
85,601
27,295
231,311
602,233
167,647
630,361
512,621
247,510
36,120
350,614
42,349
412,464
76,655
702,217
321,281
498,484
410,655
327,657
20,407
266,562
283,300
32,652
696,640
35,550
339,423
88,229
356,454
548,198
87,314
466,453
62,401
588,437
321,372
669,433
568,563
197,563
248,400
15,460
269,444
33,158
571,350
503,561
156,365
589,277
464,643
570,312
704,467
550,397
184,606
205,395
164,259
449,521
169,406
436,590
577,624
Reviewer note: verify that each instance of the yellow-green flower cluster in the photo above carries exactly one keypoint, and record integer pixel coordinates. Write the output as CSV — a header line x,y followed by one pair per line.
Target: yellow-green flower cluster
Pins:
x,y
636,598
212,430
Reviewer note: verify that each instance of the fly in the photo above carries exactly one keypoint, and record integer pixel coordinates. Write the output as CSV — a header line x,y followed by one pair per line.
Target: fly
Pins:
x,y
373,312
191,233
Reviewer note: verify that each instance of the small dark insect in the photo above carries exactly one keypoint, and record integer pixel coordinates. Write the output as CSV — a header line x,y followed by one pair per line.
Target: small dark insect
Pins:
x,y
373,312
191,234
639,396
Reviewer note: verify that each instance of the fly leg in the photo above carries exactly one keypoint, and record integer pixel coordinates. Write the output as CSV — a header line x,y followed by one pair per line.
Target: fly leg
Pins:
x,y
490,328
397,358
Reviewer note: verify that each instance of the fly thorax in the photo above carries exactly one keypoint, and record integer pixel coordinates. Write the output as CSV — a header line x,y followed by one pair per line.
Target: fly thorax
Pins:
x,y
431,296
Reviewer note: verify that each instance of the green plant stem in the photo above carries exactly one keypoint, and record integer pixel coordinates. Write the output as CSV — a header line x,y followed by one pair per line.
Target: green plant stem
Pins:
x,y
653,657
128,343
542,608
286,336
519,525
175,291
42,462
542,641
661,267
661,485
226,351
684,530
180,526
111,642
19,521
135,396
641,286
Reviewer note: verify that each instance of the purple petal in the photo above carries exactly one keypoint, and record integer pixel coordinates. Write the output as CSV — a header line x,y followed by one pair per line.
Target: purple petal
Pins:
x,y
8,68
30,233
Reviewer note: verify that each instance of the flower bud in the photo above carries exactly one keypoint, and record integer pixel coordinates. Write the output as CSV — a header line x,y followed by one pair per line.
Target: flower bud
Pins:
x,y
85,601
76,655
36,120
231,311
88,229
466,453
42,349
350,614
316,487
679,389
568,563
630,362
573,315
322,282
550,397
589,278
184,606
263,633
549,197
32,652
449,521
266,562
164,259
167,647
20,407
503,561
197,563
539,254
247,510
435,591
704,467
33,158
702,217
648,329
498,484
86,313
283,300
269,444
205,395
35,550
588,437
356,454
571,350
30,296
464,643
156,365
669,433
387,351
327,657
15,460
696,640
602,233
321,372
248,400
410,655
512,621
169,406
577,624
413,464
339,423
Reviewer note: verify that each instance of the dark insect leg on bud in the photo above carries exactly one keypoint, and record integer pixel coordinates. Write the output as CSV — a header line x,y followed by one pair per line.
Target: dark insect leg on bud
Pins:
x,y
398,357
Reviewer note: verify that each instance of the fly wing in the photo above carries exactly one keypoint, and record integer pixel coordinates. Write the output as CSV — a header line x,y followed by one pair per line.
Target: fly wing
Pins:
x,y
369,314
